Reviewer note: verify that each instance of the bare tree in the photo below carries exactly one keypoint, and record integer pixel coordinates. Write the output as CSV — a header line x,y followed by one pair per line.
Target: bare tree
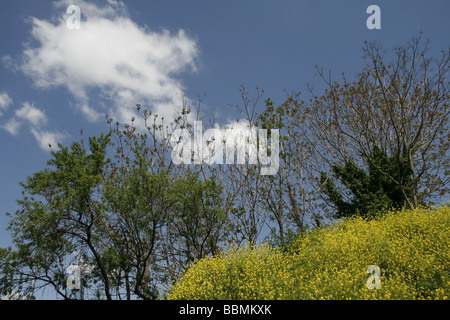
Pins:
x,y
400,107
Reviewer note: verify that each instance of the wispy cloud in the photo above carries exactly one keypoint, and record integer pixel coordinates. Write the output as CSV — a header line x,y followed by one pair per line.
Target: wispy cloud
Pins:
x,y
110,56
5,102
47,139
35,119
128,63
12,126
32,114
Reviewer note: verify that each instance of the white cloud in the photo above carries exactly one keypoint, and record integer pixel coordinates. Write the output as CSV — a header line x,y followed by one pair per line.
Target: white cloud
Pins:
x,y
128,63
36,118
46,138
9,63
5,101
34,115
12,126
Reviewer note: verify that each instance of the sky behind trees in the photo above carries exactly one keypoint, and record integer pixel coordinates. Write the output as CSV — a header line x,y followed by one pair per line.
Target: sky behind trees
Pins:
x,y
55,81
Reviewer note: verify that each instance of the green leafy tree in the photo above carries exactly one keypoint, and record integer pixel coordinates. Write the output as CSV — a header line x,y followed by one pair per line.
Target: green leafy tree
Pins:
x,y
127,224
197,223
59,214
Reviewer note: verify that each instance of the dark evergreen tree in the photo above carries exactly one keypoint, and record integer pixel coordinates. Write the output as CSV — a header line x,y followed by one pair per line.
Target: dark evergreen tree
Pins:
x,y
367,193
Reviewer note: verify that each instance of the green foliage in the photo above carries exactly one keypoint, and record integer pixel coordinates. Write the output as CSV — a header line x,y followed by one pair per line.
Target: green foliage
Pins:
x,y
135,220
271,117
372,192
131,226
200,217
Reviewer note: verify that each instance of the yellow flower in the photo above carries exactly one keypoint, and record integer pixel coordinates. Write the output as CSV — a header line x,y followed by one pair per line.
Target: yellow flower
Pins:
x,y
409,246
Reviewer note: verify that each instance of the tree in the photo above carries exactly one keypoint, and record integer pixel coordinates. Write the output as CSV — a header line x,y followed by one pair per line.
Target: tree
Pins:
x,y
400,108
196,224
60,214
133,219
285,195
369,194
129,226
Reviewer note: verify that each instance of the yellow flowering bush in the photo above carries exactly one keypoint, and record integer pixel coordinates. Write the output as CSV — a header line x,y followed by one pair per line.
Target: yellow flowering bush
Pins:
x,y
411,248
249,272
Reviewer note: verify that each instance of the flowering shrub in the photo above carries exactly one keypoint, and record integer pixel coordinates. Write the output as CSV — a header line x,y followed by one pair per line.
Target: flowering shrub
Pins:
x,y
260,272
409,246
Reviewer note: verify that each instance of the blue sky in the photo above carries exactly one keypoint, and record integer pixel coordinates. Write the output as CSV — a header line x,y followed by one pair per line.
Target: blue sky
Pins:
x,y
55,81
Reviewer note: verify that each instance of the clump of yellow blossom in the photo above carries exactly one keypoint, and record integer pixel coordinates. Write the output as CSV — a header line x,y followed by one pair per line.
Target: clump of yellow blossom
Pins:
x,y
411,248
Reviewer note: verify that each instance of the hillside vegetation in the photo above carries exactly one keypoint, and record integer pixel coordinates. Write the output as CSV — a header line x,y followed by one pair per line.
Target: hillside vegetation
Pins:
x,y
411,248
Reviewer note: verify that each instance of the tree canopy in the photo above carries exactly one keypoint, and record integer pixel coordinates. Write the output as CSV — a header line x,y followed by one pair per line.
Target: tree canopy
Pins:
x,y
133,220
